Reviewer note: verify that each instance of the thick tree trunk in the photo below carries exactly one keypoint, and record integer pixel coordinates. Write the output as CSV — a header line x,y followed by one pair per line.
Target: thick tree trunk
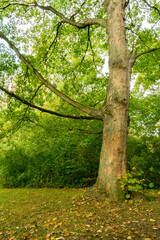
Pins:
x,y
115,119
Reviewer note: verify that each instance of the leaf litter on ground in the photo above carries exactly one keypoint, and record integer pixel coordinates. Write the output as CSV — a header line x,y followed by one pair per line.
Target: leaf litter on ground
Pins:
x,y
37,214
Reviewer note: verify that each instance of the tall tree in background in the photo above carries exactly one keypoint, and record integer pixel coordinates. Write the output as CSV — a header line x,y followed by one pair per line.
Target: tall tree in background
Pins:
x,y
69,21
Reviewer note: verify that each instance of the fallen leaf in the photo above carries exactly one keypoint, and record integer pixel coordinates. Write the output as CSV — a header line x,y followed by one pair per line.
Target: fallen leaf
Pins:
x,y
60,238
152,220
89,215
155,228
58,225
88,226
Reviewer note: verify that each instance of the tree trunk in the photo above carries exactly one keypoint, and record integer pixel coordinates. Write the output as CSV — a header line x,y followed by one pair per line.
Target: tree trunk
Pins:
x,y
115,118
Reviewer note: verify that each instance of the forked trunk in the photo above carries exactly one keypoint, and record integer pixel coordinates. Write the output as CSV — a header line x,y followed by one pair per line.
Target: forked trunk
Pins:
x,y
115,119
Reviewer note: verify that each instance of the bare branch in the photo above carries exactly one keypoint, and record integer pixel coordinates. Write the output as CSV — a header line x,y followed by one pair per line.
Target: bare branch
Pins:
x,y
148,51
11,94
93,112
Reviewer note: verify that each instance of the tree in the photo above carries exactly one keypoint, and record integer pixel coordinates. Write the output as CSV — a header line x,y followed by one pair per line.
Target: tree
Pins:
x,y
69,20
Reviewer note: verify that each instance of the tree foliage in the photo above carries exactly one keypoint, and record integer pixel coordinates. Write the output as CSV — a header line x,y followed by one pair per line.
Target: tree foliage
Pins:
x,y
53,57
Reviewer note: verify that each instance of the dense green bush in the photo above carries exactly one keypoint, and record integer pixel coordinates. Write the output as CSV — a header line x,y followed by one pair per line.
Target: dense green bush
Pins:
x,y
143,154
57,156
70,161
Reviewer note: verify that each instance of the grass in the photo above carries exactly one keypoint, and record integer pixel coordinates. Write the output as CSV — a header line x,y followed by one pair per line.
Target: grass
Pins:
x,y
71,214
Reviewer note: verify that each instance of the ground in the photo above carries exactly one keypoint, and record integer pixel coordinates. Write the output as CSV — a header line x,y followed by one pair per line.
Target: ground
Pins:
x,y
71,214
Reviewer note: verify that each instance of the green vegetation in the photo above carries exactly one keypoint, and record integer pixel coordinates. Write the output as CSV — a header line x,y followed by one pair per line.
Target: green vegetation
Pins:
x,y
41,214
62,149
49,154
62,109
69,159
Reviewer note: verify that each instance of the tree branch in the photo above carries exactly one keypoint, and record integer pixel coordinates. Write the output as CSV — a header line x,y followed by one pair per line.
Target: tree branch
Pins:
x,y
36,91
93,112
127,2
79,10
11,94
88,22
86,131
148,51
153,7
53,42
89,39
90,132
83,57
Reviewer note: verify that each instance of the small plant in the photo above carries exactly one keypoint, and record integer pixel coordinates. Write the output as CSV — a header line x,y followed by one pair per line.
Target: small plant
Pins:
x,y
133,182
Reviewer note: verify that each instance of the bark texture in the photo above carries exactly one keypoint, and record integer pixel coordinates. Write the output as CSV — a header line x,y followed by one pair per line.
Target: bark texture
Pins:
x,y
115,115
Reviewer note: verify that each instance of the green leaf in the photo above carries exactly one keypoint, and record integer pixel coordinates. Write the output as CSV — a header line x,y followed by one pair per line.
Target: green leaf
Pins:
x,y
128,196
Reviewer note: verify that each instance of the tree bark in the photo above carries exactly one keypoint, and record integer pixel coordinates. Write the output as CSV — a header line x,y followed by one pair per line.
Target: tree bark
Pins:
x,y
115,117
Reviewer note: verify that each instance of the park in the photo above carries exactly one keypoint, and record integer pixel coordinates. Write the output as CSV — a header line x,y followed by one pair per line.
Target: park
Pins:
x,y
79,119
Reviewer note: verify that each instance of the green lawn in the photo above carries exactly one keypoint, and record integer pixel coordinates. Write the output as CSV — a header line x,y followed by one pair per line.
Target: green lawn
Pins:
x,y
71,214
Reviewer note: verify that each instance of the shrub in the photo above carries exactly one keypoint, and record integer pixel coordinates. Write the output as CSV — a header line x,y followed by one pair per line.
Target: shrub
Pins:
x,y
134,182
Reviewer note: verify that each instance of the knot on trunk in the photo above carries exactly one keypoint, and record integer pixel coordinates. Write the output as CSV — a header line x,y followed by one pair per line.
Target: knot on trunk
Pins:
x,y
122,100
